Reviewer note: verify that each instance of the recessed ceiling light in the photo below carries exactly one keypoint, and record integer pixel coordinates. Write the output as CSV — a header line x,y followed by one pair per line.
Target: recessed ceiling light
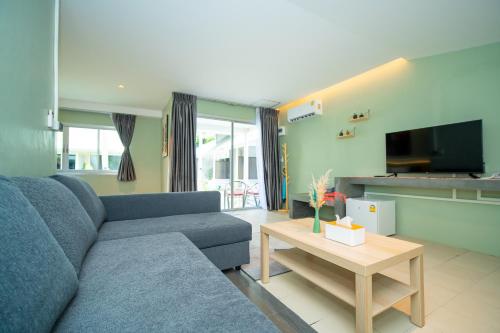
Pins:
x,y
121,86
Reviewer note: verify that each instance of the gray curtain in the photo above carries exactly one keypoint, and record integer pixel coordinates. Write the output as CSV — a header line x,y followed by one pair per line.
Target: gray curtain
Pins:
x,y
183,157
125,124
271,156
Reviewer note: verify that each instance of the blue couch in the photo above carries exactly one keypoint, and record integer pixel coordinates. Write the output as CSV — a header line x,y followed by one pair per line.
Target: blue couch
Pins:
x,y
75,262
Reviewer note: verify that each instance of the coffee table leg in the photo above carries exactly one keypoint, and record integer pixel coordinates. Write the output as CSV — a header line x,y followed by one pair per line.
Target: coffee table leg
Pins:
x,y
264,257
364,322
417,282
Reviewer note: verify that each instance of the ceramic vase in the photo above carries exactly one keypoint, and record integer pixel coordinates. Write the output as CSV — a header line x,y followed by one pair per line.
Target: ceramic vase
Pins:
x,y
317,225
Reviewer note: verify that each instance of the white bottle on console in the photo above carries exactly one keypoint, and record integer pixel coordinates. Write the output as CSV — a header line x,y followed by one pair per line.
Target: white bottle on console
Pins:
x,y
376,215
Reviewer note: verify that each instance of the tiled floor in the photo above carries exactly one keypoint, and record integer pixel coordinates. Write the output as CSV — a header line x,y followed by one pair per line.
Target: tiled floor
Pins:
x,y
462,291
255,217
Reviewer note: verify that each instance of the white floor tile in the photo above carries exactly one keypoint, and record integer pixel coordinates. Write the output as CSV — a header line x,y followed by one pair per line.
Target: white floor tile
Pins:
x,y
472,307
311,307
287,284
477,262
447,278
450,322
392,321
436,296
488,288
341,321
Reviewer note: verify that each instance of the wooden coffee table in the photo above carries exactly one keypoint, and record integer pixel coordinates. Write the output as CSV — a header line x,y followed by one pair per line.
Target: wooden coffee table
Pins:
x,y
349,273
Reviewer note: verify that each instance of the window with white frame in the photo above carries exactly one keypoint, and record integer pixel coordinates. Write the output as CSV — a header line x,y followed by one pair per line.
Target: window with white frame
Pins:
x,y
88,149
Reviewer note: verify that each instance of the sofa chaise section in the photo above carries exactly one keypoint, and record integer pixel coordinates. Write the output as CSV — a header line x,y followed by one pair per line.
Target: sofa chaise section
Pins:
x,y
157,283
204,229
223,238
210,232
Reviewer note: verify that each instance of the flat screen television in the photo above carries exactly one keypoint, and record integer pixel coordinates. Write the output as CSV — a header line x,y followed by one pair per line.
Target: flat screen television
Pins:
x,y
452,148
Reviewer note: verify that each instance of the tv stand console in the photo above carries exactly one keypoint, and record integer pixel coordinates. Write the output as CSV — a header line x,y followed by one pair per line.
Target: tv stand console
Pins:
x,y
354,187
425,182
479,185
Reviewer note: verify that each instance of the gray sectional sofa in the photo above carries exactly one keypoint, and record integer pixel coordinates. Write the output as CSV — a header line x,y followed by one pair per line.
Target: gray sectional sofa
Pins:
x,y
75,262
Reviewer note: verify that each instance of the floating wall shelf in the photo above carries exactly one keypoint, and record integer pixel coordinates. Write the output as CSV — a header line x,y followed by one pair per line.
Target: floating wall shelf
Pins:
x,y
351,134
360,117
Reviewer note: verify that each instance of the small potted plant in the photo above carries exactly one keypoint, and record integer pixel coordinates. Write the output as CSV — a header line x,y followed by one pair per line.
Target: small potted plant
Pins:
x,y
317,197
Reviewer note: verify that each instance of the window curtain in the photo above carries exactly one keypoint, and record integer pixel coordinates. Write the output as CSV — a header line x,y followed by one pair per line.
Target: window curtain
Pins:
x,y
270,156
183,157
260,162
125,124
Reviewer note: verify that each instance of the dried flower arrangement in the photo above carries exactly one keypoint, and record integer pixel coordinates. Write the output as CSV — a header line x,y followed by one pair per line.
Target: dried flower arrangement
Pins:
x,y
317,192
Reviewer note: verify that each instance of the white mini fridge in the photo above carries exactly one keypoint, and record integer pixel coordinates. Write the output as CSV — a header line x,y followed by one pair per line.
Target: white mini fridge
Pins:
x,y
377,216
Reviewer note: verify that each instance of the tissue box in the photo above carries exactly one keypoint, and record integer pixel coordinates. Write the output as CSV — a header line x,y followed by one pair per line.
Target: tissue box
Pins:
x,y
350,236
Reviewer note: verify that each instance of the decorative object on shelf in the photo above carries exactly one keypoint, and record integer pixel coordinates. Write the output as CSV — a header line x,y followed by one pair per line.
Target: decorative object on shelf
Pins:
x,y
360,116
317,197
348,133
345,232
333,196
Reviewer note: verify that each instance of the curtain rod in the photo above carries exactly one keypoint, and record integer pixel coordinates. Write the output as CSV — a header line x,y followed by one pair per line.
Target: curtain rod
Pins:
x,y
214,100
233,103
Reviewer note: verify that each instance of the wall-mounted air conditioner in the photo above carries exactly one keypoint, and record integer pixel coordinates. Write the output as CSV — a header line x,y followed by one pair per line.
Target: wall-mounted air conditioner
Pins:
x,y
307,110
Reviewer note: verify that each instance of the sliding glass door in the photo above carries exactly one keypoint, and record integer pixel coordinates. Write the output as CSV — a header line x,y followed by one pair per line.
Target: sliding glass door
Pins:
x,y
213,155
226,161
245,184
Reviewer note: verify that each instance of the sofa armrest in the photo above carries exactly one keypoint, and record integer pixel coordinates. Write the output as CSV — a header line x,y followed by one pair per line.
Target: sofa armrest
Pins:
x,y
138,206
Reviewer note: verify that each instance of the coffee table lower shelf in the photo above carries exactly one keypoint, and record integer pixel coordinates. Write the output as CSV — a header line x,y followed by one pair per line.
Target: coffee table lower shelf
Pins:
x,y
341,282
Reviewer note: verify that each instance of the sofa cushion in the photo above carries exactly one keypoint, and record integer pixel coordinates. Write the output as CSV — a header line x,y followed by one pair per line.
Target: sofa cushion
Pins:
x,y
37,280
157,283
64,214
149,205
88,198
204,230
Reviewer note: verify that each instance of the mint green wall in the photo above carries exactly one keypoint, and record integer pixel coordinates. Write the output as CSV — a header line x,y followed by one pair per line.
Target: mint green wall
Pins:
x,y
226,111
145,150
452,87
84,118
26,85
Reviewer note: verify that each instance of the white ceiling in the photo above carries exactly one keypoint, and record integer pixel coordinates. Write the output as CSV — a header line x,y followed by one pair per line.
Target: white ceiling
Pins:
x,y
248,51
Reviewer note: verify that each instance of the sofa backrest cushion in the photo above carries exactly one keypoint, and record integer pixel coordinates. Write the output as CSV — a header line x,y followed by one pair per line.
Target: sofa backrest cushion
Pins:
x,y
88,198
64,214
37,281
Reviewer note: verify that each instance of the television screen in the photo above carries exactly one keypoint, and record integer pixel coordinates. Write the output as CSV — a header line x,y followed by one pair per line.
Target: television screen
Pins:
x,y
453,148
